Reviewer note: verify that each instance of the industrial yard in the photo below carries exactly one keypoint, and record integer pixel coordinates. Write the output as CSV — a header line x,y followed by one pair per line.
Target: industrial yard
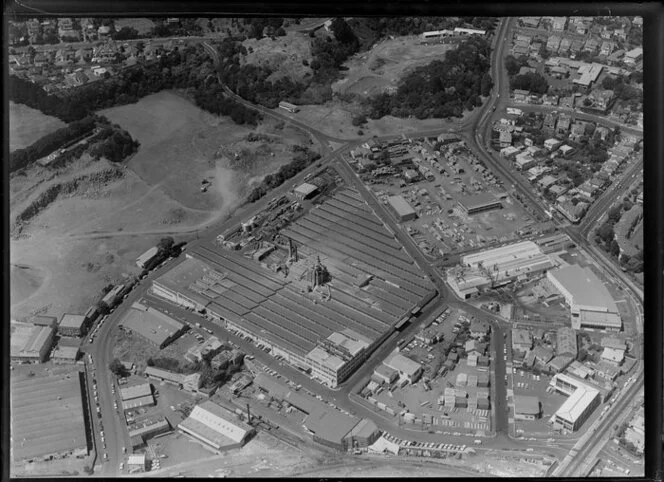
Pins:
x,y
456,203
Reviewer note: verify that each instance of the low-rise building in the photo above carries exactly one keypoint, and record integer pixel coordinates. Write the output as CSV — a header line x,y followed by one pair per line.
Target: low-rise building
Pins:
x,y
29,342
613,356
527,407
146,257
522,340
72,325
582,401
407,368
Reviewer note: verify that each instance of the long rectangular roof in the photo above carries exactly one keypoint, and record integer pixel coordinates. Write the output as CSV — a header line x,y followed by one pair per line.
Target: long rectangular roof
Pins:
x,y
47,415
216,424
400,205
69,320
577,402
329,424
585,286
136,391
150,323
352,243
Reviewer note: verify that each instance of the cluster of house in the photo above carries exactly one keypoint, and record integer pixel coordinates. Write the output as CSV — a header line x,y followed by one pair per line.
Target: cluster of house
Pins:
x,y
574,202
534,349
573,35
635,431
60,69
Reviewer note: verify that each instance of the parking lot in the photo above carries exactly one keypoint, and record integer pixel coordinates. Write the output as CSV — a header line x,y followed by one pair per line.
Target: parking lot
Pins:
x,y
406,446
525,383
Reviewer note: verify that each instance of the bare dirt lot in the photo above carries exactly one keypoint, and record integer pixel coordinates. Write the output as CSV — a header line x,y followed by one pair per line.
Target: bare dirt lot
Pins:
x,y
92,235
27,125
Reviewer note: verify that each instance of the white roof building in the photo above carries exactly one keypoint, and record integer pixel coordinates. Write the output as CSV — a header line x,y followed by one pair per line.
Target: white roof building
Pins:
x,y
215,426
405,366
143,259
613,355
578,407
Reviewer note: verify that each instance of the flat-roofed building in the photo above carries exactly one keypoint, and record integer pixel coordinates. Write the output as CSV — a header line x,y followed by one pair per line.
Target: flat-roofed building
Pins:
x,y
72,325
305,191
522,340
588,73
401,208
407,368
30,343
146,401
591,304
142,389
137,461
146,429
66,354
216,427
613,356
47,416
527,407
385,374
330,427
479,203
577,408
365,433
153,325
42,320
189,382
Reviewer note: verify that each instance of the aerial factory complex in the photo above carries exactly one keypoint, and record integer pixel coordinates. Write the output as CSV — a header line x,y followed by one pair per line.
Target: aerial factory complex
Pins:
x,y
249,247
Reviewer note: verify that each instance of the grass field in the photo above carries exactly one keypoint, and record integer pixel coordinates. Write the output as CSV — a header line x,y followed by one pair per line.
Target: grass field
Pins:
x,y
27,125
142,25
382,67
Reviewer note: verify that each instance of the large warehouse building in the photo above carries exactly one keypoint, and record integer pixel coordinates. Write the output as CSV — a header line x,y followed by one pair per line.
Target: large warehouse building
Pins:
x,y
479,203
153,325
317,325
591,304
497,267
30,343
401,208
47,416
216,427
72,325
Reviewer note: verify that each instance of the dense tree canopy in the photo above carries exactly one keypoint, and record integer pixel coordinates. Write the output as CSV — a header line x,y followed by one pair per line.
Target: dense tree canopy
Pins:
x,y
443,88
532,82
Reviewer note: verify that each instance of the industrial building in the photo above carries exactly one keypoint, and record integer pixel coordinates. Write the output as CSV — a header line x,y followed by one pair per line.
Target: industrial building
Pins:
x,y
330,427
583,400
591,304
554,242
566,343
146,257
527,408
30,343
149,428
322,327
401,209
191,382
216,427
497,267
48,418
407,368
65,354
305,191
479,203
139,390
72,325
152,324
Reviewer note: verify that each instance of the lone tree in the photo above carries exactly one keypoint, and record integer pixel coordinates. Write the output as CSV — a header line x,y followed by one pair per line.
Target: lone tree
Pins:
x,y
166,243
117,368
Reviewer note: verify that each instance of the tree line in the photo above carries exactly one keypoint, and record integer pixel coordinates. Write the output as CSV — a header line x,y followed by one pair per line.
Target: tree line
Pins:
x,y
21,158
184,69
443,88
303,159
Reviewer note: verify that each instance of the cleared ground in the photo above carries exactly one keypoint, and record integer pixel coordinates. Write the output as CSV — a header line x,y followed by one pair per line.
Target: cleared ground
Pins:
x,y
381,68
92,236
28,125
283,55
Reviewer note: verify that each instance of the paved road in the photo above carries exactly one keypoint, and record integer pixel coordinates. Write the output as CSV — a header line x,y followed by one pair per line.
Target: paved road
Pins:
x,y
583,455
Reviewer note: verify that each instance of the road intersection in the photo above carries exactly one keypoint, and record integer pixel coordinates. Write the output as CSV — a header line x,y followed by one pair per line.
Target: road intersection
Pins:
x,y
476,131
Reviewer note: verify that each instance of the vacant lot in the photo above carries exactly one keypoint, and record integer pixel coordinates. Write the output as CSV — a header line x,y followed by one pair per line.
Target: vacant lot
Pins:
x,y
27,125
93,235
284,55
381,68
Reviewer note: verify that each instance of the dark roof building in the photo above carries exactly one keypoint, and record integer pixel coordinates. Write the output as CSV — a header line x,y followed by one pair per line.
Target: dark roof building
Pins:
x,y
479,203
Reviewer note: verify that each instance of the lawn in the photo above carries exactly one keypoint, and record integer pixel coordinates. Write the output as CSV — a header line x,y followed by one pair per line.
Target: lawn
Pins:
x,y
27,125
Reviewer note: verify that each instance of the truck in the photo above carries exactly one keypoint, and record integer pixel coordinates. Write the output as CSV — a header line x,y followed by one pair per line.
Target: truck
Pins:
x,y
477,442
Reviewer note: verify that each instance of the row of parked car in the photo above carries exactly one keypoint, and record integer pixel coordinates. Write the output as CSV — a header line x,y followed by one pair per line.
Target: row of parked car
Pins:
x,y
452,448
